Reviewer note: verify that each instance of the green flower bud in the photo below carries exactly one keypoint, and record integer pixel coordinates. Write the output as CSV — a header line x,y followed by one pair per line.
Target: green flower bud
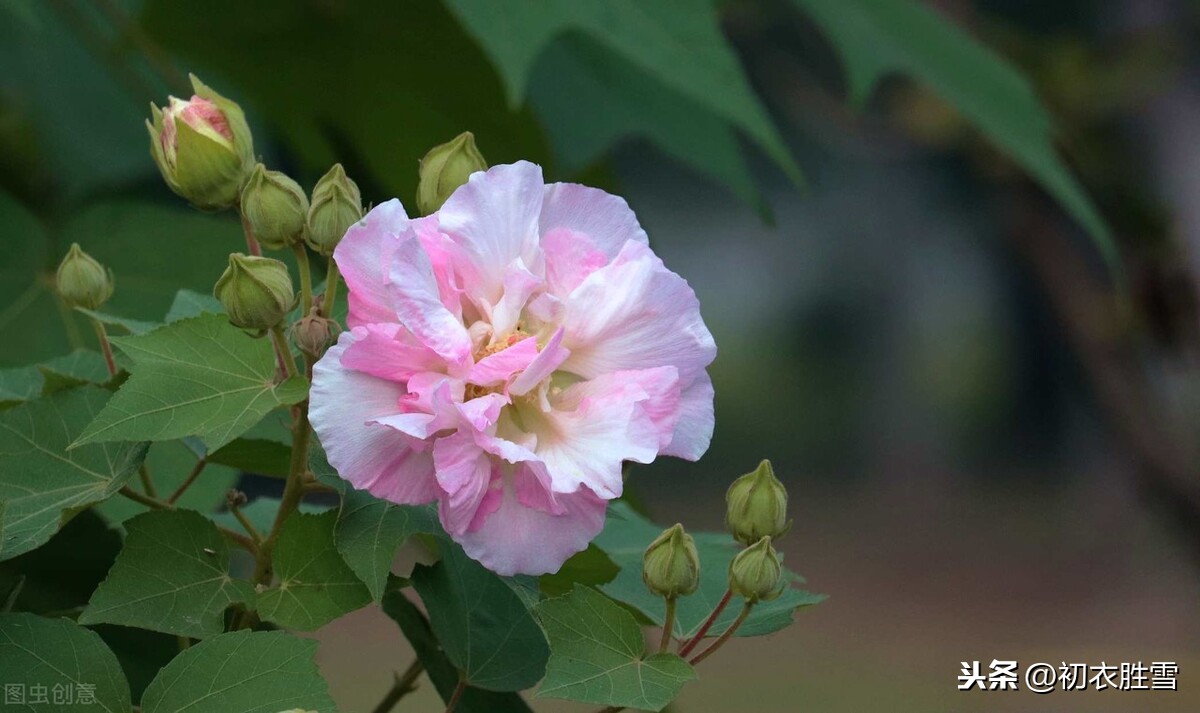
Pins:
x,y
256,291
314,333
83,282
202,147
756,506
275,206
755,573
336,205
671,566
445,168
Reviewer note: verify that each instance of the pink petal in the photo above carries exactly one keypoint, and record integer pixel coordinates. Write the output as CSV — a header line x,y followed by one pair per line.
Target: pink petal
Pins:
x,y
519,285
417,304
636,314
550,358
494,217
606,219
372,458
520,540
362,258
693,431
463,473
498,368
570,257
390,352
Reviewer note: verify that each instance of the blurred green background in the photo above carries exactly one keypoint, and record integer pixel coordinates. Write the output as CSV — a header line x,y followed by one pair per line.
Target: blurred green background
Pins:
x,y
988,431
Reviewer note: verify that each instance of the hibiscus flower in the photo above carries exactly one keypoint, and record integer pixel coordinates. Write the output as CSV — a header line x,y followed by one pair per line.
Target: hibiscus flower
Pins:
x,y
506,355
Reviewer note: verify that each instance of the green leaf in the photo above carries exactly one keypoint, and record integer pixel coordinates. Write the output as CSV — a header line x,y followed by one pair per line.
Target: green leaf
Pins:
x,y
127,326
172,576
243,671
592,567
677,42
485,628
170,462
879,37
255,455
60,658
261,513
443,673
189,303
41,480
28,382
597,655
62,574
197,377
315,584
19,384
625,538
369,531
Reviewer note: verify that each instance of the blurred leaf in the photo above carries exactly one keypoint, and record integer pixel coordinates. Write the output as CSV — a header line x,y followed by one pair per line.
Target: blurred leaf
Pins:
x,y
197,377
315,585
127,326
49,653
485,628
40,479
172,576
170,462
261,513
141,653
677,42
254,455
248,672
78,368
597,655
879,37
189,303
592,566
625,538
443,673
414,79
62,574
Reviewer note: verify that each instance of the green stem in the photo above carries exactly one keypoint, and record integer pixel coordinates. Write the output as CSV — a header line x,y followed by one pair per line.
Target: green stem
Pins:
x,y
246,524
712,619
454,697
147,481
252,245
332,280
305,277
156,504
668,625
105,347
284,351
187,482
404,684
725,636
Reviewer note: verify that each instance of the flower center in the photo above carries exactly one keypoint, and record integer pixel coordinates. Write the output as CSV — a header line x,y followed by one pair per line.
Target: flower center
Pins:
x,y
474,391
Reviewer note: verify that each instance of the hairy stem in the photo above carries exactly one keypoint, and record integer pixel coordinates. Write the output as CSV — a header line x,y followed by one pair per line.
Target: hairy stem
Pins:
x,y
668,625
252,245
725,636
404,684
284,352
246,524
332,279
703,630
105,347
147,481
454,697
187,482
305,277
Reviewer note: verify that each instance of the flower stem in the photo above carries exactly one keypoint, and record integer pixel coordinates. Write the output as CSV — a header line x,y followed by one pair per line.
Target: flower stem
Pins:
x,y
187,482
305,277
454,697
668,625
246,524
155,504
252,245
284,351
725,636
147,481
404,684
105,347
712,619
332,280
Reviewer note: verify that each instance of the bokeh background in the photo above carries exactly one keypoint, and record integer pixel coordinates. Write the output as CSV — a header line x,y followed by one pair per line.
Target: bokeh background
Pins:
x,y
989,435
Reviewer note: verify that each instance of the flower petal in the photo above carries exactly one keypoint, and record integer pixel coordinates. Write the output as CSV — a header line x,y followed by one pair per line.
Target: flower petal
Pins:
x,y
606,219
418,306
464,472
390,352
570,257
498,368
520,540
373,458
550,358
694,428
362,258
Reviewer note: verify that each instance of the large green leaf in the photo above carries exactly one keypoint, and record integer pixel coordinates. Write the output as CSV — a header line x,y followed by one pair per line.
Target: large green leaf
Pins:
x,y
40,479
485,628
57,661
197,377
369,531
443,673
596,655
315,585
677,42
625,538
172,576
247,672
880,37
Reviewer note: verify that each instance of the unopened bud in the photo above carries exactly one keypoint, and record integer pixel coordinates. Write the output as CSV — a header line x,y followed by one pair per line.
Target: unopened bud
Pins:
x,y
275,206
235,498
756,506
445,168
314,333
83,282
671,566
202,147
255,291
336,205
755,573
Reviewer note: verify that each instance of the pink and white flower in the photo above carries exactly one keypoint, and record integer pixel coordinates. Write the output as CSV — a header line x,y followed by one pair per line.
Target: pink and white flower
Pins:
x,y
505,356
